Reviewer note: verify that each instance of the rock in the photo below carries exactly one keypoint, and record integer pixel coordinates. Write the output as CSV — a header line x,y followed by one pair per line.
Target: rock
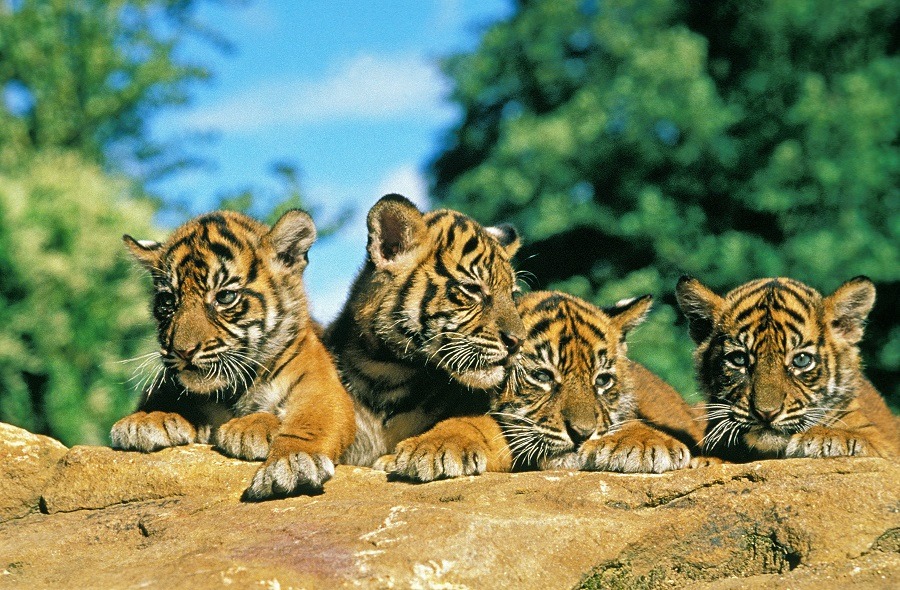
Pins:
x,y
175,519
89,478
26,462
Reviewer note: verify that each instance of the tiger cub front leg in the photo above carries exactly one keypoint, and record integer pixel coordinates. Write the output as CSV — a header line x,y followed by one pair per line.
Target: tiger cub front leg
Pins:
x,y
248,437
151,431
318,428
820,441
636,448
452,448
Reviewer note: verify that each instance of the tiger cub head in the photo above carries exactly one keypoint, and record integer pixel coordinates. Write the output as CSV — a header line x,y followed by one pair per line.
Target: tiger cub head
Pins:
x,y
774,357
440,291
228,295
572,381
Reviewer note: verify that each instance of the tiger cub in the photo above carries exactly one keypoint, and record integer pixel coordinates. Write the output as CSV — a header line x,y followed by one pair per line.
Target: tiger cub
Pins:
x,y
572,401
780,367
429,324
242,365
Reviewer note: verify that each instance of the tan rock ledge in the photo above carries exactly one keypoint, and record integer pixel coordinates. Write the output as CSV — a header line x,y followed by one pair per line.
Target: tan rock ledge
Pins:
x,y
97,518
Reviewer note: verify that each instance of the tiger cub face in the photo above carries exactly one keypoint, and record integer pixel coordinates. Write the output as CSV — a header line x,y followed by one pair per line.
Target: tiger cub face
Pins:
x,y
441,291
571,383
774,357
228,296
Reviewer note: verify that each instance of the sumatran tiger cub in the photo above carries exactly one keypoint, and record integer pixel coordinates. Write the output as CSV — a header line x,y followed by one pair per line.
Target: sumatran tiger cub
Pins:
x,y
429,325
780,367
572,401
242,365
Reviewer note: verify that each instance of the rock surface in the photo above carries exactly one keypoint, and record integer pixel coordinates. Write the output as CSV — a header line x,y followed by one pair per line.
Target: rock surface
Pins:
x,y
92,517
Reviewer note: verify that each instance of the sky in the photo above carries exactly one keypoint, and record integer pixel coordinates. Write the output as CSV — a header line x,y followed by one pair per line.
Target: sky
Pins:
x,y
349,92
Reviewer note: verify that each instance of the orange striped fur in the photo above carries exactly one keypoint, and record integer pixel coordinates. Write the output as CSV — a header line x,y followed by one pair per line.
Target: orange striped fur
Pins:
x,y
780,367
242,365
429,326
572,401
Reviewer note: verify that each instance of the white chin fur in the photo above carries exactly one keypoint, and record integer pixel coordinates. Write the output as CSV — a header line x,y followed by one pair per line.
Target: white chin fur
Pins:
x,y
766,441
482,378
197,382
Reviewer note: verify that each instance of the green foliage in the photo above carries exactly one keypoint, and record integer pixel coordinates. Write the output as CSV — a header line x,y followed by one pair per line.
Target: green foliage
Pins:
x,y
87,74
71,305
634,141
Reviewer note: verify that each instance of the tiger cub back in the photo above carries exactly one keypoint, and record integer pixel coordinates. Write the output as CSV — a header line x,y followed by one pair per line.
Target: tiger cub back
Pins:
x,y
780,366
573,400
242,365
429,325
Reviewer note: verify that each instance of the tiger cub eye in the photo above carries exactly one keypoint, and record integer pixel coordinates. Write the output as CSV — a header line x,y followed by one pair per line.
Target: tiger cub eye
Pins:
x,y
226,297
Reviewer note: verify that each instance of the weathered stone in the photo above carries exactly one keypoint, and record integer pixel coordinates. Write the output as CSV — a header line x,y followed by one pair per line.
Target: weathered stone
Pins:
x,y
88,478
175,519
26,462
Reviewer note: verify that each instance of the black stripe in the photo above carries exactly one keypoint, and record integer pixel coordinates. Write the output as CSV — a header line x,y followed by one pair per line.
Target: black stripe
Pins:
x,y
470,245
297,380
222,251
436,217
540,328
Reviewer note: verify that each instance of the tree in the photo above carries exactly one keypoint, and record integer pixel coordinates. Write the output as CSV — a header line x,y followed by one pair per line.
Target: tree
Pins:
x,y
85,75
71,306
634,141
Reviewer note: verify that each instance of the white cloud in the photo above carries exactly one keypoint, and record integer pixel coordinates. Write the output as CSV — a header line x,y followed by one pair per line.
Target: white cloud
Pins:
x,y
334,262
408,181
366,87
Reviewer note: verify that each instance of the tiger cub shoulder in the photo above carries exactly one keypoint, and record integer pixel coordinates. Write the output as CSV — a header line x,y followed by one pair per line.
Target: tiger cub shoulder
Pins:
x,y
779,364
241,363
429,325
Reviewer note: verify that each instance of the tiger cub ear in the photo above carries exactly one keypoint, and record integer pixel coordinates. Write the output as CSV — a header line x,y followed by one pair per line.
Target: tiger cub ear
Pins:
x,y
507,235
847,308
145,251
292,235
396,227
699,304
629,313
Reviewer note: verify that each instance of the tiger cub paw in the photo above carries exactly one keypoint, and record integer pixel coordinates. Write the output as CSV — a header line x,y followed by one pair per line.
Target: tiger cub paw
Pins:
x,y
248,437
645,451
146,432
828,442
564,461
289,471
426,458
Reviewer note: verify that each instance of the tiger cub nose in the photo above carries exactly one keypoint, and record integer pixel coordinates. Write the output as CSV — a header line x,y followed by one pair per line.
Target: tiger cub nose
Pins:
x,y
767,416
186,354
511,342
579,432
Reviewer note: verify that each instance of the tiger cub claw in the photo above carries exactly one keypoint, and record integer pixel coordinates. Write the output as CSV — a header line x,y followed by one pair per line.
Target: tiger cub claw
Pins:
x,y
385,463
146,432
248,437
828,442
645,452
428,460
698,462
288,475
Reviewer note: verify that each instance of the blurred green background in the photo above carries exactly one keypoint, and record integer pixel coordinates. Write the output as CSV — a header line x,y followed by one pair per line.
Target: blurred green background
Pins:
x,y
629,141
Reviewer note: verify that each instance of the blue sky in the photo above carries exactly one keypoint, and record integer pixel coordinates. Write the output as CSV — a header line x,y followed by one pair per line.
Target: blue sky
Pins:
x,y
348,91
